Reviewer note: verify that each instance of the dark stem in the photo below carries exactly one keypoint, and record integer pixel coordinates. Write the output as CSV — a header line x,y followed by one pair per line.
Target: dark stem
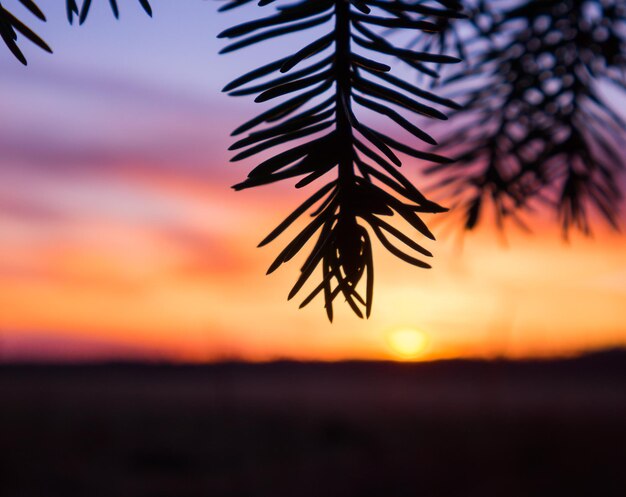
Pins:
x,y
343,92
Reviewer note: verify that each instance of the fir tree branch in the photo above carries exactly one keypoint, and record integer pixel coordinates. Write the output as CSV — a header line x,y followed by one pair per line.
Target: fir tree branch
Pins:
x,y
536,127
329,93
11,26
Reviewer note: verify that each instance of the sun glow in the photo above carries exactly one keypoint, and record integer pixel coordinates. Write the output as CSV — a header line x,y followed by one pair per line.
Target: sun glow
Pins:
x,y
407,343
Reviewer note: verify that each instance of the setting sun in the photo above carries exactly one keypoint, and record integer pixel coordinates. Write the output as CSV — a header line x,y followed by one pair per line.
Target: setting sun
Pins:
x,y
407,343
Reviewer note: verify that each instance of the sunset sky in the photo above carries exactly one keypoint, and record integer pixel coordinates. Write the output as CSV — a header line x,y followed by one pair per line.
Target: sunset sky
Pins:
x,y
120,236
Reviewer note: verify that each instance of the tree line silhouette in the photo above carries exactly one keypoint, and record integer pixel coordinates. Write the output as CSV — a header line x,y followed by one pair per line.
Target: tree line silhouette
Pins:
x,y
533,123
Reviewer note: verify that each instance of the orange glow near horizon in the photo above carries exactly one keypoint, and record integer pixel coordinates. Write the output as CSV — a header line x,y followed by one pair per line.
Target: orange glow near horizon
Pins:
x,y
199,292
407,344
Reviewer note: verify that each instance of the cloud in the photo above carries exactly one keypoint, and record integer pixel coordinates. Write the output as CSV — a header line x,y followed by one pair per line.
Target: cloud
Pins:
x,y
61,347
64,79
71,121
26,210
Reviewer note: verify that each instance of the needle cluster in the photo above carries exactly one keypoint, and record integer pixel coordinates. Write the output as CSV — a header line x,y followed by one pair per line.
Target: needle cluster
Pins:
x,y
320,139
11,26
538,126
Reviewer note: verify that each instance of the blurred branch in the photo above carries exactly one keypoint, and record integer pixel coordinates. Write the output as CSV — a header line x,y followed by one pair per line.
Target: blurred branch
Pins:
x,y
536,127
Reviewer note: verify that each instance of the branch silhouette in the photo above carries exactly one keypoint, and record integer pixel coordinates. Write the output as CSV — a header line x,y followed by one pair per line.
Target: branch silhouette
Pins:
x,y
537,128
10,25
318,118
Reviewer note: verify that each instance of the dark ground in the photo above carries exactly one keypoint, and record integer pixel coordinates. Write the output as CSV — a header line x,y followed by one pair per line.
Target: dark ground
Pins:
x,y
471,429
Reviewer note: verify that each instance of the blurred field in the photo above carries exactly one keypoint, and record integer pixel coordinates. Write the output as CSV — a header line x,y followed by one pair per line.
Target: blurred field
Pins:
x,y
455,428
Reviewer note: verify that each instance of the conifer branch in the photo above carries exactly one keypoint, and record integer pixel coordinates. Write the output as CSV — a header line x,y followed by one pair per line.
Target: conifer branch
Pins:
x,y
536,128
11,26
320,134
